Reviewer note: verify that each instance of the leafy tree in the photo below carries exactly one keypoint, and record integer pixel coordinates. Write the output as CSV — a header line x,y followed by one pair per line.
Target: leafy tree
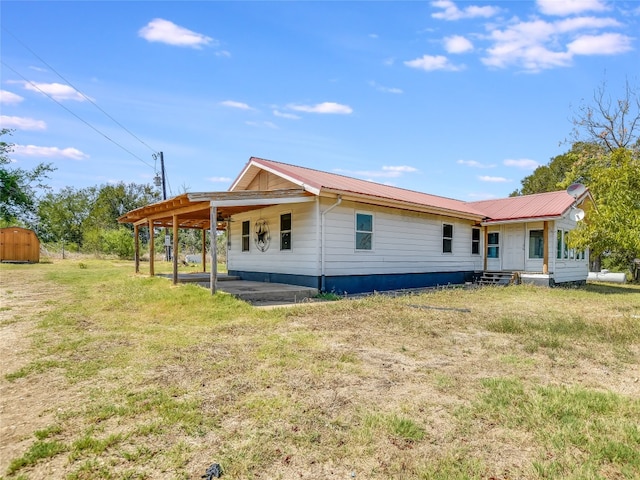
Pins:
x,y
86,217
551,177
605,157
61,216
613,227
18,186
111,201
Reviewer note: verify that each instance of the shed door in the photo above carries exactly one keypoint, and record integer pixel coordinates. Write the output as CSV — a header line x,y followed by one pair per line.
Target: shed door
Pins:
x,y
513,258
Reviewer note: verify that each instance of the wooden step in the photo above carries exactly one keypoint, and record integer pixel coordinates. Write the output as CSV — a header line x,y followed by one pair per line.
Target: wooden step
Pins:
x,y
499,278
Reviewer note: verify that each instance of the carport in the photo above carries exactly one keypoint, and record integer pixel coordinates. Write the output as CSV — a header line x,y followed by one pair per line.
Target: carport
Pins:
x,y
204,211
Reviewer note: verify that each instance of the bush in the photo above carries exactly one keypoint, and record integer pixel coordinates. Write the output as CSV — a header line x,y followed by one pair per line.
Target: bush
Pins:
x,y
118,242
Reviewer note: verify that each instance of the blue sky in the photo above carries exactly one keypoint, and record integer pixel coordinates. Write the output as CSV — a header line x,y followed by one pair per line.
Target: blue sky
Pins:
x,y
455,98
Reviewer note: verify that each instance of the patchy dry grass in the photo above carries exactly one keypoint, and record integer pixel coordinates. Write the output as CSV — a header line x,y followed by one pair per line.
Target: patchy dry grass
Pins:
x,y
112,375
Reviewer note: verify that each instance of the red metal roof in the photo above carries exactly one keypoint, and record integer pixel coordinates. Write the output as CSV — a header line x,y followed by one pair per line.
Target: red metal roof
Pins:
x,y
540,205
320,180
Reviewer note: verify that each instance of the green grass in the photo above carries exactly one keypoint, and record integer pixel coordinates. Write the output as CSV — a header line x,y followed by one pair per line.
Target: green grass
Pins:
x,y
39,450
149,380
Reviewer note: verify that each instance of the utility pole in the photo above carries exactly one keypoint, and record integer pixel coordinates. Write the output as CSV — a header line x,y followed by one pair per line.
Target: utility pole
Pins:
x,y
167,243
164,182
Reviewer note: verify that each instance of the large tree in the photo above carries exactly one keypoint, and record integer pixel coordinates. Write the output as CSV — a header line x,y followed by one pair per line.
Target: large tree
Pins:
x,y
605,157
551,177
613,227
610,123
18,186
61,215
84,216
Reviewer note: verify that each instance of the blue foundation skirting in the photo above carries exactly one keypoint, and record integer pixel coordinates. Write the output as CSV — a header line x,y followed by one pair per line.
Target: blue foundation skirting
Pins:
x,y
362,283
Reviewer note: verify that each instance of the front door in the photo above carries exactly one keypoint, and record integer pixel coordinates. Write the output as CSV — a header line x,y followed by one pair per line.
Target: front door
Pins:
x,y
513,258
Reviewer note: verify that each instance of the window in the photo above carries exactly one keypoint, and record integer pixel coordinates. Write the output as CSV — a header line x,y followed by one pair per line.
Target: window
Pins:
x,y
563,246
493,245
447,238
475,241
536,244
285,231
364,231
246,233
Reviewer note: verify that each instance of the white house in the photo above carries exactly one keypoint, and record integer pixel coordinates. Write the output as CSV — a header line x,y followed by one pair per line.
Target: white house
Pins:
x,y
295,225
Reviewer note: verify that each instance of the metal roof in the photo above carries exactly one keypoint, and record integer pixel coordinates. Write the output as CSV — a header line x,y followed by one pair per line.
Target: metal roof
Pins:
x,y
537,206
319,182
192,210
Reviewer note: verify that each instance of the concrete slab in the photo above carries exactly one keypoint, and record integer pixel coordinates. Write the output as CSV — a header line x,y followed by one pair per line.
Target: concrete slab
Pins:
x,y
261,292
253,292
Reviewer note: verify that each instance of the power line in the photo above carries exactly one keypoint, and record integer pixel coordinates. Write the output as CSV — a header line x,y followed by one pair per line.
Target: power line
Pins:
x,y
78,90
74,114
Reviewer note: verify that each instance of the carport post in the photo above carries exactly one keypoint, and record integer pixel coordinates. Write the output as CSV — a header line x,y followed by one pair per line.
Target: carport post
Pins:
x,y
204,250
175,249
152,252
136,243
213,247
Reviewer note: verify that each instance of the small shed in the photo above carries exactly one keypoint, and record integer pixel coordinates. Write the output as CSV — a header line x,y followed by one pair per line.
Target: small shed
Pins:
x,y
19,245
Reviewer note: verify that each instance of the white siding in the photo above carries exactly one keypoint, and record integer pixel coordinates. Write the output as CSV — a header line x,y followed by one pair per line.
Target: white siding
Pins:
x,y
569,269
403,242
302,259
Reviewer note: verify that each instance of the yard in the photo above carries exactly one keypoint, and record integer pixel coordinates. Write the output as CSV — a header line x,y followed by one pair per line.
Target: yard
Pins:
x,y
110,375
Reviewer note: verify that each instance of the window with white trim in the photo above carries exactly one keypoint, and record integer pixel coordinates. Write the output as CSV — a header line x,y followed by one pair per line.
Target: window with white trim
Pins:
x,y
536,244
285,231
447,238
246,235
475,241
563,251
364,231
493,245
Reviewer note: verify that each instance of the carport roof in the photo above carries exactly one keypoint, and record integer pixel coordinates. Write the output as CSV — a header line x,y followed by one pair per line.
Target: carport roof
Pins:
x,y
192,210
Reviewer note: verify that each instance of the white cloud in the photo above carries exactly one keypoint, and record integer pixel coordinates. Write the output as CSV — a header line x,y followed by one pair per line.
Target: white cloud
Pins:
x,y
290,116
481,196
522,163
238,105
450,11
325,107
457,44
474,164
164,31
262,124
537,45
219,179
388,171
57,91
431,63
605,44
578,23
381,88
487,178
22,123
393,169
48,152
570,7
9,98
